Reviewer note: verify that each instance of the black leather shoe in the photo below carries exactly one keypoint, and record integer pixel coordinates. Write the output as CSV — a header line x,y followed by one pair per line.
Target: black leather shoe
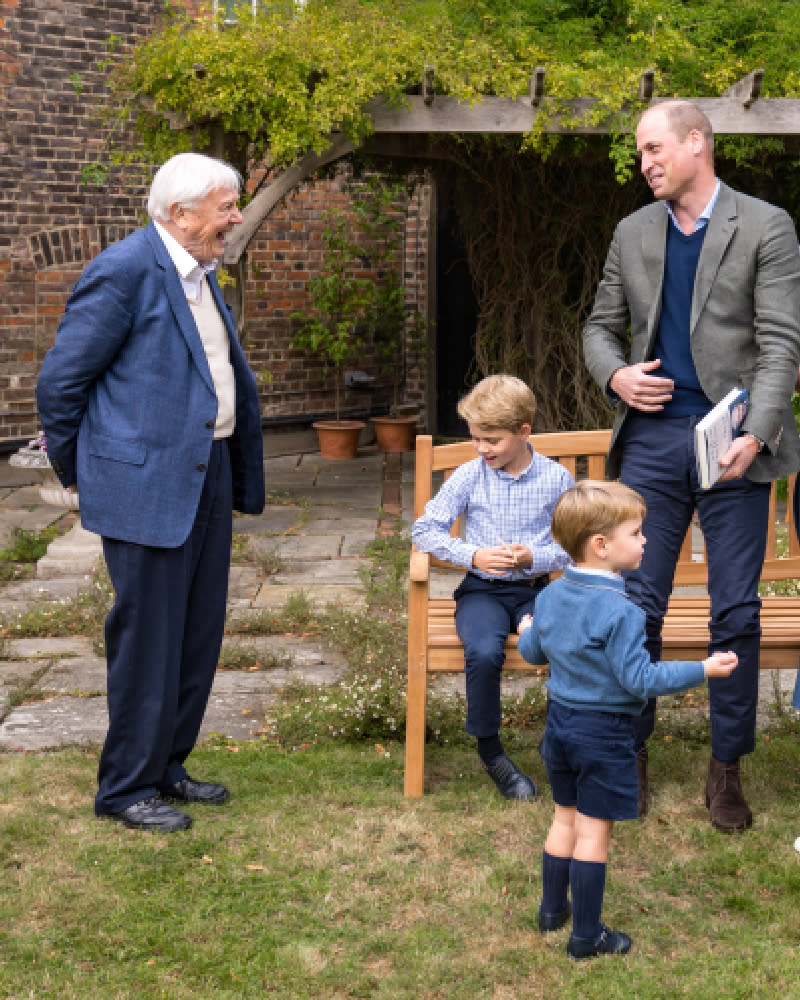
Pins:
x,y
553,921
189,790
152,814
609,943
513,784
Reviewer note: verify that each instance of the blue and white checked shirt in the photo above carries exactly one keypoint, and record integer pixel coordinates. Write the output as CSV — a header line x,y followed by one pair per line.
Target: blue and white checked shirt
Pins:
x,y
499,508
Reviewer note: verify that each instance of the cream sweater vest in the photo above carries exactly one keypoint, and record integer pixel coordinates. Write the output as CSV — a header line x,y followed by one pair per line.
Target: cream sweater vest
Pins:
x,y
215,341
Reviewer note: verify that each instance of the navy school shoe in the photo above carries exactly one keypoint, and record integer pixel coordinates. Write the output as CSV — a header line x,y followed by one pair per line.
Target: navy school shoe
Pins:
x,y
513,784
609,943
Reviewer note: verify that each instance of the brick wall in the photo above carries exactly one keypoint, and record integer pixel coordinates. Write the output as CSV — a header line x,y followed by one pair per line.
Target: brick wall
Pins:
x,y
52,223
285,254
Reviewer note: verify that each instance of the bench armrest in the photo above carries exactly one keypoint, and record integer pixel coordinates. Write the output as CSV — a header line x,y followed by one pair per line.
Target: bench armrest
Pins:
x,y
419,570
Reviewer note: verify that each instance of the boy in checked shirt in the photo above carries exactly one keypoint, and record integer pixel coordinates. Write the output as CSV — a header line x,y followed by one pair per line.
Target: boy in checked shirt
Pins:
x,y
507,495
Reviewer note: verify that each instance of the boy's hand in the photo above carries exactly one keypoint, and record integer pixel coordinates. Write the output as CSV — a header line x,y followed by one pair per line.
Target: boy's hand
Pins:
x,y
720,664
525,622
502,558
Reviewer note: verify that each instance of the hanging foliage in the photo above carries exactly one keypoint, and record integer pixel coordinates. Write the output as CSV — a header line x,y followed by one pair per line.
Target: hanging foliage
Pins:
x,y
282,80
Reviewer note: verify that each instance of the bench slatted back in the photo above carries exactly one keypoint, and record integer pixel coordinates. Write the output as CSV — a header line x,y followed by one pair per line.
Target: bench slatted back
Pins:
x,y
583,454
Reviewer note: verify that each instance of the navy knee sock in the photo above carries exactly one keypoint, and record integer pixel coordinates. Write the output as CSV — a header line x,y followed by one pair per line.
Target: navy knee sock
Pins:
x,y
489,748
587,881
555,883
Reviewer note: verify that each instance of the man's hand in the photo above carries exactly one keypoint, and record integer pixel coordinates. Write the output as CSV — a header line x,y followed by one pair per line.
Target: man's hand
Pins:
x,y
738,457
641,390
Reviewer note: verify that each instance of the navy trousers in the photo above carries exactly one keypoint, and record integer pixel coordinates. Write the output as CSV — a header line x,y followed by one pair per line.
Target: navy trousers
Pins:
x,y
163,637
658,460
486,612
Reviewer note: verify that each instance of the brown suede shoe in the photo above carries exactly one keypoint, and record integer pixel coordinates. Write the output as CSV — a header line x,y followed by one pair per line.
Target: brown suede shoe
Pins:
x,y
642,802
724,797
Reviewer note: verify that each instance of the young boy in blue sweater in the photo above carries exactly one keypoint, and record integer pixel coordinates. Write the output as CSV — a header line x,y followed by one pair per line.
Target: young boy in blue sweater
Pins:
x,y
600,679
507,495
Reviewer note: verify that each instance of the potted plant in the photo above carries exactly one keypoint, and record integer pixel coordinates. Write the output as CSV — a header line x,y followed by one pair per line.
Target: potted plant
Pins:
x,y
333,329
395,331
358,300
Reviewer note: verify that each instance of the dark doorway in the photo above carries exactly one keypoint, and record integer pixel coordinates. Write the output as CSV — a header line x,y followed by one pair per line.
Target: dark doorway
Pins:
x,y
456,317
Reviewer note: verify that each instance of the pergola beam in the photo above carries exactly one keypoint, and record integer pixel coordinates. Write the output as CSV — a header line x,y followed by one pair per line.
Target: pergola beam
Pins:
x,y
729,115
747,90
739,111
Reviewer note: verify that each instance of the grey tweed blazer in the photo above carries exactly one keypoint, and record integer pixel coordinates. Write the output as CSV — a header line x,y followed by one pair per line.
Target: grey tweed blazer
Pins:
x,y
745,319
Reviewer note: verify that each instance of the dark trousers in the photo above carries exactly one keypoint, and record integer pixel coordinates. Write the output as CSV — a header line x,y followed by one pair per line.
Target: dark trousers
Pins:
x,y
486,613
658,460
163,637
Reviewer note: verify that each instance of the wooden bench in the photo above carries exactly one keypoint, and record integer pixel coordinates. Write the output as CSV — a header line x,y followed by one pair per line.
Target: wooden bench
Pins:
x,y
434,647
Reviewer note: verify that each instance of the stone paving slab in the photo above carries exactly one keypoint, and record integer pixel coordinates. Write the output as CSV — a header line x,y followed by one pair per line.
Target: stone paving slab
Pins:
x,y
15,674
274,521
275,595
243,583
312,574
237,716
345,497
25,520
331,523
76,675
34,590
49,647
309,548
355,545
444,582
57,721
306,656
282,465
292,491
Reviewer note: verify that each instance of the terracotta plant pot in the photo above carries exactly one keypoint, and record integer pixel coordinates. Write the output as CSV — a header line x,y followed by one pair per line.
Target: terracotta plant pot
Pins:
x,y
395,433
338,439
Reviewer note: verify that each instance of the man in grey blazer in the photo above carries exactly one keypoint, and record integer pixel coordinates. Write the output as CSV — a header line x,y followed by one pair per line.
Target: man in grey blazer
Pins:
x,y
700,293
151,412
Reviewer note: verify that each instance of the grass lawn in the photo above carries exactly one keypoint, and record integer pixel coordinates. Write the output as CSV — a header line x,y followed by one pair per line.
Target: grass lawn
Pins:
x,y
318,880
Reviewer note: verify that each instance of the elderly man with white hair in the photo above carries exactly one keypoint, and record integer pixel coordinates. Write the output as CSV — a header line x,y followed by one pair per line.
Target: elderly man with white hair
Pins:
x,y
151,411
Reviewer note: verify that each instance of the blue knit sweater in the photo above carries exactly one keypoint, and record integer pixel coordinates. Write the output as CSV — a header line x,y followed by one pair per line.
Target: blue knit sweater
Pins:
x,y
672,344
593,638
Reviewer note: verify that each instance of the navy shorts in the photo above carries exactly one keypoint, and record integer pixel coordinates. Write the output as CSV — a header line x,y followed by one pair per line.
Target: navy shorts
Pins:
x,y
591,761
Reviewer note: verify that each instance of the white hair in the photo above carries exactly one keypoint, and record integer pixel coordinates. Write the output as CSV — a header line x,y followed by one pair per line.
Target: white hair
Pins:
x,y
186,179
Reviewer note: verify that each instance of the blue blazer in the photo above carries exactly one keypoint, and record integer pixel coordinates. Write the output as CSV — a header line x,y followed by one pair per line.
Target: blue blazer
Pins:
x,y
127,401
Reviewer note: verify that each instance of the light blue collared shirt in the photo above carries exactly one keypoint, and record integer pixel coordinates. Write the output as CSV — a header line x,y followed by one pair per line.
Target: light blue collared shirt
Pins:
x,y
702,219
499,508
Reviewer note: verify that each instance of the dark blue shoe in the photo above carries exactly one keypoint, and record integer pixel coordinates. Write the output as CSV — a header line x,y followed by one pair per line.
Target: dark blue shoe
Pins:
x,y
609,943
152,814
553,921
189,790
513,784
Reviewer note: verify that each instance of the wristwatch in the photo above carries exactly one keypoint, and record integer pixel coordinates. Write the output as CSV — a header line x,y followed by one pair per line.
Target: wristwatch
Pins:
x,y
761,444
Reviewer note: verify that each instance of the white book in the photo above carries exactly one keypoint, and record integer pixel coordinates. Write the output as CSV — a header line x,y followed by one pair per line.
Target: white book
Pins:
x,y
714,433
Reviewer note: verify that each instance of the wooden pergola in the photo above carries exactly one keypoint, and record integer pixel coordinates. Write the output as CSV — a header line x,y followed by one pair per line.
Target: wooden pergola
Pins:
x,y
404,130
